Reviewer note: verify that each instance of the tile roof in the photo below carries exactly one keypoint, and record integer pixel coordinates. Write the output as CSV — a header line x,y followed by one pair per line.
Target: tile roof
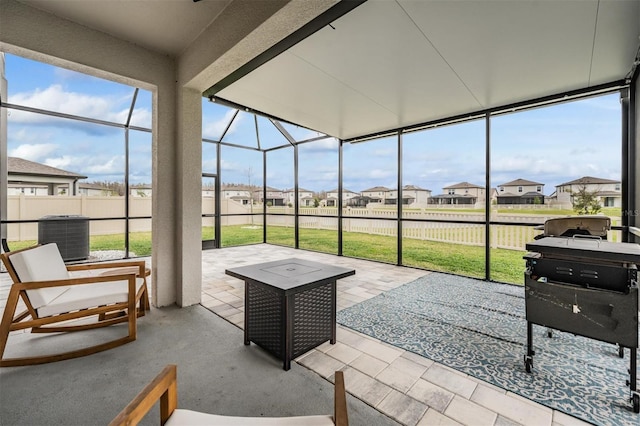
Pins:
x,y
463,185
343,191
521,182
585,180
414,188
377,189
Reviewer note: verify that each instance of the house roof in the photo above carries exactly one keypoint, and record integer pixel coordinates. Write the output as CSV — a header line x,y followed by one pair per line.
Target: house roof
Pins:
x,y
269,189
237,188
377,189
521,182
20,166
343,191
586,180
299,190
415,188
463,185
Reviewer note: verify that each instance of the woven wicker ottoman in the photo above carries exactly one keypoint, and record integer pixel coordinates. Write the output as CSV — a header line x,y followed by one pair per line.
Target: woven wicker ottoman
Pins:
x,y
289,305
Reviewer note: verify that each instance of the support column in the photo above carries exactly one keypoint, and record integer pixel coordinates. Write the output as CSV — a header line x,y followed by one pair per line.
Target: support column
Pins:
x,y
189,196
164,274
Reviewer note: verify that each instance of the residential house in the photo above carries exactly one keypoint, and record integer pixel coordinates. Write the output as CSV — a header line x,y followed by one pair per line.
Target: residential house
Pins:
x,y
460,193
608,191
332,197
521,191
304,195
377,194
411,194
239,193
31,178
275,197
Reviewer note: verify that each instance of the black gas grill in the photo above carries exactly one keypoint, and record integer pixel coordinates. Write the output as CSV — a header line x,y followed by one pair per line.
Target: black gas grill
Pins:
x,y
587,287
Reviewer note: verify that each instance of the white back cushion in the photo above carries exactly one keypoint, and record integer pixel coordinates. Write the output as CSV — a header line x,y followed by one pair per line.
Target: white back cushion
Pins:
x,y
42,263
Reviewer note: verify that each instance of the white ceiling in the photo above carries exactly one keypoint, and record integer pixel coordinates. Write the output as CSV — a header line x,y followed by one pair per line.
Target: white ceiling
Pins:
x,y
389,64
164,26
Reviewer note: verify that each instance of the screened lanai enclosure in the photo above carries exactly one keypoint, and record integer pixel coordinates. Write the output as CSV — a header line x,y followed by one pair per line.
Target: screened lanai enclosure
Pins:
x,y
437,135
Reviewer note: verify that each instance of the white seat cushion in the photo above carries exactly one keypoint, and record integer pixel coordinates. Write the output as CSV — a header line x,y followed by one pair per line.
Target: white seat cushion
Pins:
x,y
42,263
182,417
88,296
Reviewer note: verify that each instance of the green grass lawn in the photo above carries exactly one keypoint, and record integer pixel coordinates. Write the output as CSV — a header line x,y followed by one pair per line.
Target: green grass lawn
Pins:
x,y
506,265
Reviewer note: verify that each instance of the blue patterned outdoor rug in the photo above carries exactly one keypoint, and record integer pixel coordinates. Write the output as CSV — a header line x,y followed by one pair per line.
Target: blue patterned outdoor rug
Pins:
x,y
479,328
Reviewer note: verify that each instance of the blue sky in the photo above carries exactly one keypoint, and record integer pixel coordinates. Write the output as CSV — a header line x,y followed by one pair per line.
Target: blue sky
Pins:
x,y
549,145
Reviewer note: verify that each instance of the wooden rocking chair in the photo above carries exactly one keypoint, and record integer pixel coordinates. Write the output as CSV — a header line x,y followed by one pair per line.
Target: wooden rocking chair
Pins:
x,y
54,298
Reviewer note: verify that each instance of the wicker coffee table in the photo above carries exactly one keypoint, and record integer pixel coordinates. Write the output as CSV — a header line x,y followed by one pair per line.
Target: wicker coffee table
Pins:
x,y
289,305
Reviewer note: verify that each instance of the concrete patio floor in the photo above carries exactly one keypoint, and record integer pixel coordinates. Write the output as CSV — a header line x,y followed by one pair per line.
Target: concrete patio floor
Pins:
x,y
411,389
406,387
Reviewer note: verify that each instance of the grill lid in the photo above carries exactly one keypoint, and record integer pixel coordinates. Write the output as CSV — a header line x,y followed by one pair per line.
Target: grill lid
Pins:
x,y
586,249
577,225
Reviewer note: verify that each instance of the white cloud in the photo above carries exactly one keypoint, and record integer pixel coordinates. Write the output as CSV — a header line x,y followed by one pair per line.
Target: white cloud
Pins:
x,y
55,98
93,166
112,165
33,152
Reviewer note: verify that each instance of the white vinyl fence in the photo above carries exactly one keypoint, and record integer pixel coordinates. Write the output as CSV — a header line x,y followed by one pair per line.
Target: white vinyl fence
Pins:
x,y
443,226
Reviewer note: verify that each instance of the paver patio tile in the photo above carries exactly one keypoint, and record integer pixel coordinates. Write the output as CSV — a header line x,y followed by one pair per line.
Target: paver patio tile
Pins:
x,y
236,318
364,387
402,408
562,419
503,421
433,418
368,365
224,313
343,353
470,413
408,366
212,303
397,379
511,408
417,359
379,350
321,363
432,395
449,380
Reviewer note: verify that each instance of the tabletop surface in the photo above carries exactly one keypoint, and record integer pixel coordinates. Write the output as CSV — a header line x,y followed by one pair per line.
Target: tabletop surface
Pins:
x,y
289,273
